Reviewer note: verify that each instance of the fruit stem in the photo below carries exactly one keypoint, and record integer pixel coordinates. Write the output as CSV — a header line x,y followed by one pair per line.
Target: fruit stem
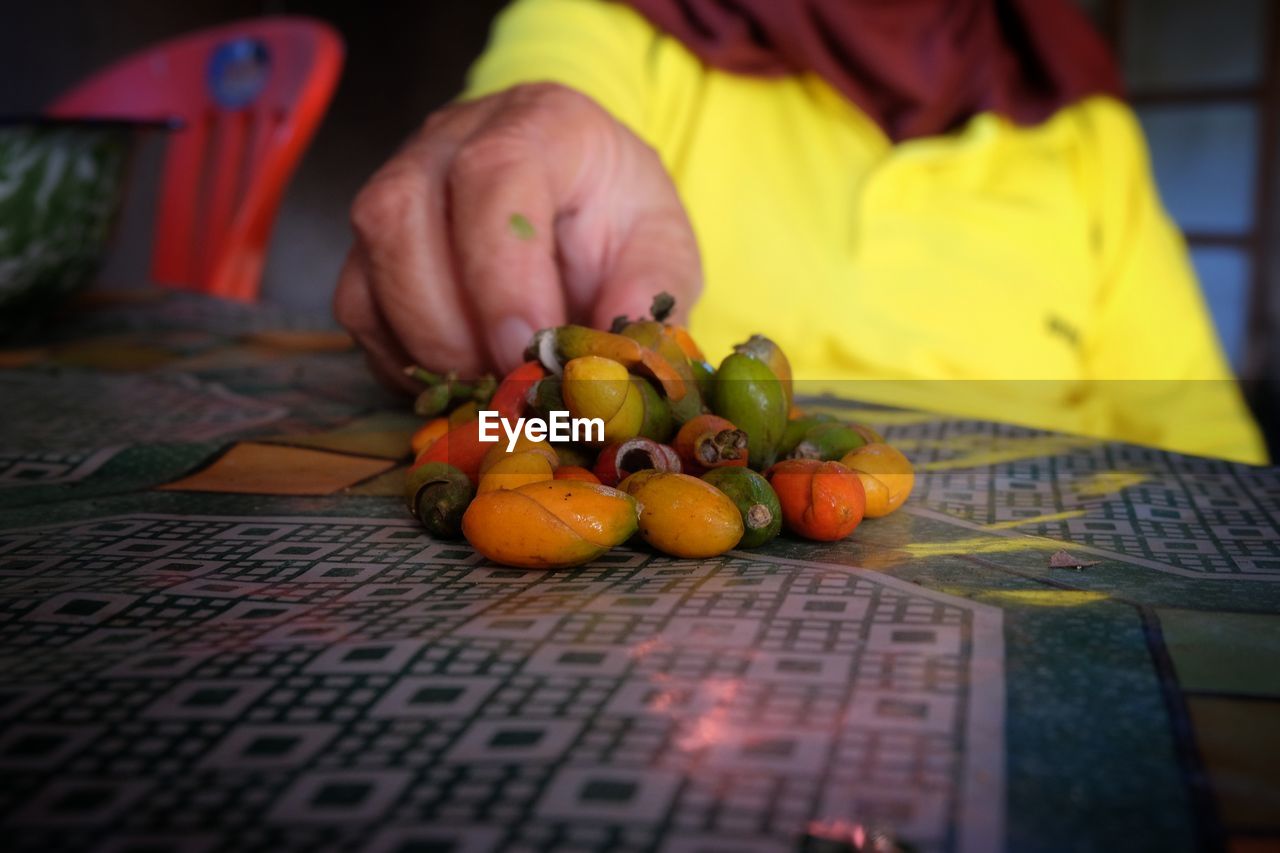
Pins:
x,y
758,516
444,391
727,445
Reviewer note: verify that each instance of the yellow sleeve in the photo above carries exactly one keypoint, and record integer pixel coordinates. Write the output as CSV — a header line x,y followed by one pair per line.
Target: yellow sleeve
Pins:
x,y
1153,349
600,49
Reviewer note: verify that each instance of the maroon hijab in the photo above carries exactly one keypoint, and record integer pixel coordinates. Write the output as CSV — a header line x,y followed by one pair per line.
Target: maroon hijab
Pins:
x,y
917,67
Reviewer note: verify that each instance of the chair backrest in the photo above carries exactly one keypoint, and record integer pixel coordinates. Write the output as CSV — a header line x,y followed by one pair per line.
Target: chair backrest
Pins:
x,y
249,95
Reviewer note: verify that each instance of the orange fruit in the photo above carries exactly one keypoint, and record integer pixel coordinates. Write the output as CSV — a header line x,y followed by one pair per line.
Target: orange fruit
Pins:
x,y
550,524
820,500
426,435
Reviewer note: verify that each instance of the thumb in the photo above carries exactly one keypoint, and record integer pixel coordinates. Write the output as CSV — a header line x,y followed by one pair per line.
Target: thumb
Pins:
x,y
659,253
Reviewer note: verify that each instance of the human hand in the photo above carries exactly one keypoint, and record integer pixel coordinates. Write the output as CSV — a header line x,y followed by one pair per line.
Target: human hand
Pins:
x,y
525,209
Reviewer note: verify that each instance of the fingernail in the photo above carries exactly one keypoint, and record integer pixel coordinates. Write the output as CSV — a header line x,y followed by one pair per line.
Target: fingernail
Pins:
x,y
508,340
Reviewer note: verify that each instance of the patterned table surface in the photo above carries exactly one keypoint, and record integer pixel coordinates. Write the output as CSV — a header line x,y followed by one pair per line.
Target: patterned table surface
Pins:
x,y
219,630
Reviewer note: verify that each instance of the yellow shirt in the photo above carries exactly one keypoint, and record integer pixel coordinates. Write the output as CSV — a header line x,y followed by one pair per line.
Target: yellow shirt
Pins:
x,y
1021,274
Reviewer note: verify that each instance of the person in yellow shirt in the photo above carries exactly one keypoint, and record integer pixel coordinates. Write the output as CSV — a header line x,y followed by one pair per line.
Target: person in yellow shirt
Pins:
x,y
942,204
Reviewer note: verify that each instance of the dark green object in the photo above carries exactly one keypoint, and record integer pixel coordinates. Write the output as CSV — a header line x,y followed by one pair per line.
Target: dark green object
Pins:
x,y
748,394
431,401
438,494
703,375
827,441
657,423
445,392
796,429
548,395
61,187
756,501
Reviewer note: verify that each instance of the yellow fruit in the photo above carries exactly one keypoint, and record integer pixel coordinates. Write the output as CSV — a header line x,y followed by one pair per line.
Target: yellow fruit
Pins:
x,y
682,515
887,476
597,387
523,444
514,470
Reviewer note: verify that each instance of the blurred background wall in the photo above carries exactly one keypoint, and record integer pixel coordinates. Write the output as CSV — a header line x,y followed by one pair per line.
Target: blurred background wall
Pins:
x,y
1204,79
1204,76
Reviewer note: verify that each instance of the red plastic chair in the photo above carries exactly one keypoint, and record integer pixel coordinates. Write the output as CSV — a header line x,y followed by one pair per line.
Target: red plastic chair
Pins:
x,y
249,96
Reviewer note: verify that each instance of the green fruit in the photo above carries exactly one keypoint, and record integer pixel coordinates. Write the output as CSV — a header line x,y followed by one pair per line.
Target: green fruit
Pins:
x,y
796,428
548,395
755,499
657,423
431,401
645,332
438,494
704,376
747,393
758,346
827,442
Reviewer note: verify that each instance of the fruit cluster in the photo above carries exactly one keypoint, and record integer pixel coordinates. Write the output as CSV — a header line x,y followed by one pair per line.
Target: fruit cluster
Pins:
x,y
694,460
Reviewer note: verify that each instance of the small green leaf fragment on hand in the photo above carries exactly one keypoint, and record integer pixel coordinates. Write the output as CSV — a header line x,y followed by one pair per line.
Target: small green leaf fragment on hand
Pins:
x,y
522,227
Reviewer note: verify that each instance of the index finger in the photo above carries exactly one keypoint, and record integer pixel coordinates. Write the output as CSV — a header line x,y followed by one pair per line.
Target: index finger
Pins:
x,y
402,227
503,210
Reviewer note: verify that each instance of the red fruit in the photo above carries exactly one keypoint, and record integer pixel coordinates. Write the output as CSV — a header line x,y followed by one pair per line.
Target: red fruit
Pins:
x,y
511,398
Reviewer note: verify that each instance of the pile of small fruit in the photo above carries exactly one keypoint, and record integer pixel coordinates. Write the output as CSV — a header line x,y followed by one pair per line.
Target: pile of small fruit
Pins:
x,y
696,461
